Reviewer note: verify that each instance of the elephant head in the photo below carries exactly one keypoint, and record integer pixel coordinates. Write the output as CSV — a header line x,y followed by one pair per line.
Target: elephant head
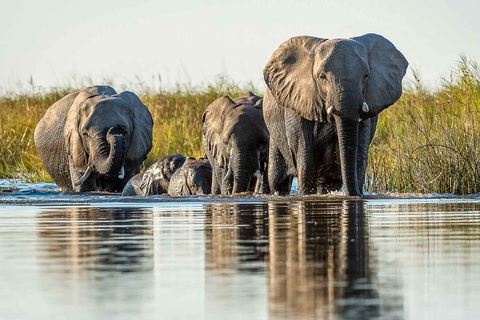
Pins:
x,y
194,177
155,180
342,81
235,138
100,136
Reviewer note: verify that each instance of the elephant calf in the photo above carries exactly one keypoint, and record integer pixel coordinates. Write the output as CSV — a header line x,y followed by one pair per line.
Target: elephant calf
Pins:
x,y
235,138
94,139
156,179
194,177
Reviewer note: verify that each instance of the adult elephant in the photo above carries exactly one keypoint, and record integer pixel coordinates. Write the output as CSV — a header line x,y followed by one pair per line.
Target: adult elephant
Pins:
x,y
194,177
235,138
94,139
321,106
155,180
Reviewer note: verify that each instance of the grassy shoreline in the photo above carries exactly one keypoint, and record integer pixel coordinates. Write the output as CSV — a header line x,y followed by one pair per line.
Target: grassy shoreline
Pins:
x,y
428,142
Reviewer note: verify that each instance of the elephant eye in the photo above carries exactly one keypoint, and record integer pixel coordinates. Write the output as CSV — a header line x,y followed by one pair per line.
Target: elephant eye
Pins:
x,y
323,78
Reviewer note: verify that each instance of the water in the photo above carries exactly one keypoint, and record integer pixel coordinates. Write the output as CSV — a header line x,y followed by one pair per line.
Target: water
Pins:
x,y
101,256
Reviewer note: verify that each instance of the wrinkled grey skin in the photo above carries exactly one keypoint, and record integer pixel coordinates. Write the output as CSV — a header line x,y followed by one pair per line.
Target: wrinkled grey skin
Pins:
x,y
94,139
321,107
235,138
193,178
155,180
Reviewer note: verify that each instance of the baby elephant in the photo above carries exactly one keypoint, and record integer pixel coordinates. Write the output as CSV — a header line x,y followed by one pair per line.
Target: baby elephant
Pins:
x,y
193,178
235,138
156,179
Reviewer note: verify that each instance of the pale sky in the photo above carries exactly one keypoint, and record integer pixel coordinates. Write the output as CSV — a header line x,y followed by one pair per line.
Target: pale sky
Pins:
x,y
58,42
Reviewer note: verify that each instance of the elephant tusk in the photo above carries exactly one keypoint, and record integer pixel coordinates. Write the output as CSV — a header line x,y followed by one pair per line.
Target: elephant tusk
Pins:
x,y
258,175
365,107
229,173
84,177
330,110
121,175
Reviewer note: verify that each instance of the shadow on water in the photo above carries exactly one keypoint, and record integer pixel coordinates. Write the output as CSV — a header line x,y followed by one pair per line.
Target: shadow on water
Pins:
x,y
315,255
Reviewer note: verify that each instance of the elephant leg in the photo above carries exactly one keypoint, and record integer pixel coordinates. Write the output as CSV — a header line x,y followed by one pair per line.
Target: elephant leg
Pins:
x,y
278,178
215,178
308,163
227,183
307,179
215,188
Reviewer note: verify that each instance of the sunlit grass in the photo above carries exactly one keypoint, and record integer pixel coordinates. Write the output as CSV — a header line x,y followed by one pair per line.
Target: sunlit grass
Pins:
x,y
177,115
18,118
428,142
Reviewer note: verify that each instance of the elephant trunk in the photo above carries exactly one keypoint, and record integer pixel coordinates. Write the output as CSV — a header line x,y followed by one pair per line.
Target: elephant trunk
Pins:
x,y
347,130
109,160
243,167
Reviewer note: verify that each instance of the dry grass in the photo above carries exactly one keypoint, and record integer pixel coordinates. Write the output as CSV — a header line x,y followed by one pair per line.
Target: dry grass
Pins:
x,y
430,142
176,113
427,142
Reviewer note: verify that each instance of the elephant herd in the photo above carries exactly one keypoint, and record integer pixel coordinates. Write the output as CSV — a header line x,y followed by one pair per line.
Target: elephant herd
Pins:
x,y
315,122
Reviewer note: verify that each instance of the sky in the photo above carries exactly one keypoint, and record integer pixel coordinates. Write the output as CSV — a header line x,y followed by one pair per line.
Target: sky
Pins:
x,y
164,43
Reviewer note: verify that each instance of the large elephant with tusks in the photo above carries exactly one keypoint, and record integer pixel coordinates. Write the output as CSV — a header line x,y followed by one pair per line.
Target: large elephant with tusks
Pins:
x,y
321,108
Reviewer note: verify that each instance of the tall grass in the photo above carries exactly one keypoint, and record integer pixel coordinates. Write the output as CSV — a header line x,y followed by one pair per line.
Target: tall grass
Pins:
x,y
177,116
18,118
429,142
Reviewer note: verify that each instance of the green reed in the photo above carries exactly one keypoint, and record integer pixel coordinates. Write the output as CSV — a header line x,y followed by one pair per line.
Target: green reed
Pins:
x,y
429,142
18,117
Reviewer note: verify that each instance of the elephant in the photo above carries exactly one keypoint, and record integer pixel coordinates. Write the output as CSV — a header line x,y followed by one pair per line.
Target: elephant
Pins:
x,y
94,139
235,138
155,180
194,177
321,108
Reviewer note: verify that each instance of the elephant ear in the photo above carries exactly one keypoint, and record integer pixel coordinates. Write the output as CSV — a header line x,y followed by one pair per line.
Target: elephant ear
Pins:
x,y
153,181
141,139
289,76
387,69
73,141
213,120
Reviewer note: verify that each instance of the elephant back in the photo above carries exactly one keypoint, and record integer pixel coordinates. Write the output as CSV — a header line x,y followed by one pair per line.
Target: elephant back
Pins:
x,y
132,188
193,178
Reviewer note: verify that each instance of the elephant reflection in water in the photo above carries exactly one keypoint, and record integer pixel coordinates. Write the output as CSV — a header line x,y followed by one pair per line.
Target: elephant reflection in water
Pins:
x,y
98,239
315,261
226,224
317,258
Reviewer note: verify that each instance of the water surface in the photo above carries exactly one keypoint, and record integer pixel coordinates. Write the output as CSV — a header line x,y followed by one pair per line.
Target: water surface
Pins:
x,y
101,256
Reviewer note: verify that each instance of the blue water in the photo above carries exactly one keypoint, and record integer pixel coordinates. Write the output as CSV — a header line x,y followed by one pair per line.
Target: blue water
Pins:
x,y
102,256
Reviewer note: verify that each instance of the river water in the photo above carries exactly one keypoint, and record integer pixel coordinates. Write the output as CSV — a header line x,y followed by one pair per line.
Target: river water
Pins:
x,y
101,256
